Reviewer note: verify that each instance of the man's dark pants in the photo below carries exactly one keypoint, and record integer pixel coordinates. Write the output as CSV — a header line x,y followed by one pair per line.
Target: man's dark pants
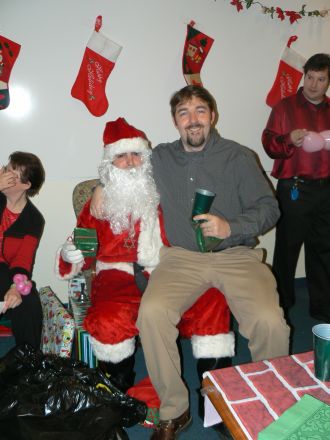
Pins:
x,y
304,221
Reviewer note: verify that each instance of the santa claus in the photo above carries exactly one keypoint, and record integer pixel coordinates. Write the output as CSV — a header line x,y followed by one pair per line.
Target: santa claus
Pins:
x,y
130,236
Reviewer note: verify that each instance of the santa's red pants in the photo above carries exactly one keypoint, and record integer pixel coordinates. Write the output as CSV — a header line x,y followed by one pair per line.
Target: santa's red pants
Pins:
x,y
115,302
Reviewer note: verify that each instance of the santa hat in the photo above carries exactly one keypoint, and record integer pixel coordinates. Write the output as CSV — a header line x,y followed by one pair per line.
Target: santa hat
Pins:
x,y
119,137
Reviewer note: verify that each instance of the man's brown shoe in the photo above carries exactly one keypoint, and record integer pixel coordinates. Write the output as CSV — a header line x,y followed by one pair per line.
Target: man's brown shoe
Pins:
x,y
168,429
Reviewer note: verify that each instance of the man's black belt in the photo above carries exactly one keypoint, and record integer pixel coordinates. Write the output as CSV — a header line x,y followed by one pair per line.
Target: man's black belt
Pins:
x,y
316,182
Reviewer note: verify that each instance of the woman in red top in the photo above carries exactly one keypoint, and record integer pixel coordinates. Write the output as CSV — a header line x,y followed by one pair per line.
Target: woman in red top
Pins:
x,y
21,227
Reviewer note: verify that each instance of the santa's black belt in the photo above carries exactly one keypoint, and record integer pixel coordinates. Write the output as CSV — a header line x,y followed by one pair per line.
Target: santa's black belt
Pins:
x,y
140,279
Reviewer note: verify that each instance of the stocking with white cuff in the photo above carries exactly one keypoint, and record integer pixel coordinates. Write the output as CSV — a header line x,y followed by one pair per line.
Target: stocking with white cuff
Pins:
x,y
99,60
289,73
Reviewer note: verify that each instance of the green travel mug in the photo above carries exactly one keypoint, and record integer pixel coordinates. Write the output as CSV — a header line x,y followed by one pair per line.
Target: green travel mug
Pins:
x,y
321,344
203,201
202,204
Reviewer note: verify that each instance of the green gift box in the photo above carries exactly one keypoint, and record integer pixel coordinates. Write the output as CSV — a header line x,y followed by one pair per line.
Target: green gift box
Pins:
x,y
85,239
84,349
305,420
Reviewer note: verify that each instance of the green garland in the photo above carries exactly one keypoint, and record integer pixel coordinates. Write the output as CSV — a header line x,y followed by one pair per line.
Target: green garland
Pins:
x,y
281,14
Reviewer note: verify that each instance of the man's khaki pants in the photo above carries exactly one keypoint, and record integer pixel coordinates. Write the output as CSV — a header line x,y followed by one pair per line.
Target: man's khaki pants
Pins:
x,y
176,283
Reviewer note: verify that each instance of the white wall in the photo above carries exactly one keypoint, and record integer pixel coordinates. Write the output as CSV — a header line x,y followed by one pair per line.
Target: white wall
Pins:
x,y
239,72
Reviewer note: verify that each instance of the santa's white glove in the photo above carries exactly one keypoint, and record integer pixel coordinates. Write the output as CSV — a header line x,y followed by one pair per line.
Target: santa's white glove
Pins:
x,y
71,254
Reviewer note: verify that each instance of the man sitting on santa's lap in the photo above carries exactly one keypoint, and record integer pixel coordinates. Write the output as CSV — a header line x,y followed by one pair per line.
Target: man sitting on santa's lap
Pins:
x,y
131,233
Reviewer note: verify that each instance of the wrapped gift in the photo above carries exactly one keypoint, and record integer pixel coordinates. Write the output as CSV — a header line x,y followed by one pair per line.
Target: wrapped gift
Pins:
x,y
79,310
145,392
58,325
306,419
76,285
84,351
85,239
78,299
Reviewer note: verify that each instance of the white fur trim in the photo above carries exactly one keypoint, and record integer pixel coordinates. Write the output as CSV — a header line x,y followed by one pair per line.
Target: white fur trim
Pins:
x,y
102,45
124,267
127,145
75,268
150,242
113,352
213,346
293,58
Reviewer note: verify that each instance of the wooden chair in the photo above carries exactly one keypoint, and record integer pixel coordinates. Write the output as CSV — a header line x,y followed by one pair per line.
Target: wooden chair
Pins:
x,y
81,193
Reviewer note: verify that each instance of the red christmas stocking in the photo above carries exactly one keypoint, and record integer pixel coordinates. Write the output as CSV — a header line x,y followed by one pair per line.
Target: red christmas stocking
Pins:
x,y
9,51
98,61
196,48
290,71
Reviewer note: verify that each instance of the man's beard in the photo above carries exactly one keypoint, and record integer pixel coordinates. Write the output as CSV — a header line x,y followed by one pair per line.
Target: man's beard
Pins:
x,y
129,195
195,141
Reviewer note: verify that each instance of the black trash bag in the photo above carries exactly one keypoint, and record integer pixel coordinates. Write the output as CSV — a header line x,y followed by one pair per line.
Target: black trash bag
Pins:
x,y
44,397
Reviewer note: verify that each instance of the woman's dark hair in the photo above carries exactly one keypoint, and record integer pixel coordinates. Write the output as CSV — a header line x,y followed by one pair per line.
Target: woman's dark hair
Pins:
x,y
31,170
189,92
317,62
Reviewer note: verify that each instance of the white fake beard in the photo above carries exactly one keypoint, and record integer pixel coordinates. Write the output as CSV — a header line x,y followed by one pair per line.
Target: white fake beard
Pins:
x,y
129,195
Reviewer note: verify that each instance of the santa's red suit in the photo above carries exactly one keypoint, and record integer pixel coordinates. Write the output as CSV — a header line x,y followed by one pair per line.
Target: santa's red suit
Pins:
x,y
115,297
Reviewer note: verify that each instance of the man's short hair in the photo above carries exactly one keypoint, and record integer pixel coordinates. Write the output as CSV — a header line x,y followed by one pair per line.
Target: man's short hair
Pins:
x,y
317,62
189,92
30,168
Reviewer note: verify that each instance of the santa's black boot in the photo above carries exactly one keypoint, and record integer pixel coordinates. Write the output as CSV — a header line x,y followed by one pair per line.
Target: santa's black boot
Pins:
x,y
209,364
122,375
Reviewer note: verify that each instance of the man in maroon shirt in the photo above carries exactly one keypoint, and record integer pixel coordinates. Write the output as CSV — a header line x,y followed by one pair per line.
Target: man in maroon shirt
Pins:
x,y
303,188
